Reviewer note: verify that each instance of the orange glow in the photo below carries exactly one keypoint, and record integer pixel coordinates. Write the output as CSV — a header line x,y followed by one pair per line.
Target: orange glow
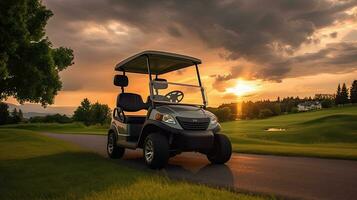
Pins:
x,y
243,88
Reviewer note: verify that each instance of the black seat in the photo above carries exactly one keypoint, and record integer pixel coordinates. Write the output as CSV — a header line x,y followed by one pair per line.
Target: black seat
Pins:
x,y
130,102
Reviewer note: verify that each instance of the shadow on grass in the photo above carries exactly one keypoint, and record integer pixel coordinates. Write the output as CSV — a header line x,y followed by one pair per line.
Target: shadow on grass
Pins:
x,y
183,168
66,175
75,175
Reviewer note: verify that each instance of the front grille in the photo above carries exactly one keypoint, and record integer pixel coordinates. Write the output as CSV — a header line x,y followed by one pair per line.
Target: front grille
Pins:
x,y
193,123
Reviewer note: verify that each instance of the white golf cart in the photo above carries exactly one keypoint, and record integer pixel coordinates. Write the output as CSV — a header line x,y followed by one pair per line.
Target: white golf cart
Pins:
x,y
171,125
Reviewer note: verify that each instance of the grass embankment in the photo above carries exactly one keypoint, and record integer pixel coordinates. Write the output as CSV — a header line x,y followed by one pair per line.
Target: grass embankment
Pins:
x,y
33,166
329,133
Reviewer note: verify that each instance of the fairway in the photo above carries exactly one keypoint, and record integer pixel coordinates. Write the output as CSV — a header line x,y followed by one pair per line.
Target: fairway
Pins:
x,y
330,133
33,166
327,133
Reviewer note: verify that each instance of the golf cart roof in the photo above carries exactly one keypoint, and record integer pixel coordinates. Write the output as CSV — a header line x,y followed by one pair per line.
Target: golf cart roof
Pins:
x,y
160,62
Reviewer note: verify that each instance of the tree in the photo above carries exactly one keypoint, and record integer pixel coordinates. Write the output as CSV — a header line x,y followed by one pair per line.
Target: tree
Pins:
x,y
29,65
326,103
338,95
265,112
353,92
15,116
81,114
21,115
344,94
99,114
4,113
92,113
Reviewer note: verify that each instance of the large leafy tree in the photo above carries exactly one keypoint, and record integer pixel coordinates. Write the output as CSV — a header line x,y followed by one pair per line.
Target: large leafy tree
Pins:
x,y
353,92
29,65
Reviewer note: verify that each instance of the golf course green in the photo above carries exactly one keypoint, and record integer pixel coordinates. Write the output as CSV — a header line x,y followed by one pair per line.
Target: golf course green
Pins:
x,y
327,133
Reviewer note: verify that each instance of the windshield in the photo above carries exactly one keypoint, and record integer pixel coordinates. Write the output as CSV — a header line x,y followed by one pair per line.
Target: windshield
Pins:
x,y
177,93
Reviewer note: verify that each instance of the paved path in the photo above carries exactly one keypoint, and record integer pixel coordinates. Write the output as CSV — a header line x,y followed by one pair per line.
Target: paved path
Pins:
x,y
292,177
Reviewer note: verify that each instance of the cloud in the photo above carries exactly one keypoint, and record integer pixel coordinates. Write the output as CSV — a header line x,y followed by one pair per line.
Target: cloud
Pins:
x,y
265,33
336,57
333,35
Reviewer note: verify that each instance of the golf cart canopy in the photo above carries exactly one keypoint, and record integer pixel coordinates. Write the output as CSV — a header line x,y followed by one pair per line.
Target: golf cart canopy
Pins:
x,y
160,62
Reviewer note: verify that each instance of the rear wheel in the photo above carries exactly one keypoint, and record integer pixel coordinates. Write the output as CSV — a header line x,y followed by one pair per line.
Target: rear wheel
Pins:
x,y
156,151
114,151
222,150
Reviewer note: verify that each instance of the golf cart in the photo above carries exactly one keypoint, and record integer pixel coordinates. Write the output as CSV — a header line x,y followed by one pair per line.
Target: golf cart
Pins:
x,y
171,125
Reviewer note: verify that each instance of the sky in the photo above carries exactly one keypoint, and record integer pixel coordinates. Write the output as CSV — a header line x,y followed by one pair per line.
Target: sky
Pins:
x,y
271,48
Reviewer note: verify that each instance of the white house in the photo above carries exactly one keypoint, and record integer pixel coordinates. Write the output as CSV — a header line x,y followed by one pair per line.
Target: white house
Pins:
x,y
309,105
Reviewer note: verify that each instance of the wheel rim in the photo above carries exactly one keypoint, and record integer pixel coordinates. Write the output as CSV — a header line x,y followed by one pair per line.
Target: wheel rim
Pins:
x,y
149,151
110,144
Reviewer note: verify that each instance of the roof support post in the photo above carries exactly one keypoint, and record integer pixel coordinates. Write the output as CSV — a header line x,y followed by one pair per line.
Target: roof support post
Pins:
x,y
150,77
202,89
122,88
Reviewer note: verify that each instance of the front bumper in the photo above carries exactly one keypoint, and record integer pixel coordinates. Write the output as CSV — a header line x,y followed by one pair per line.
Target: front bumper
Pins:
x,y
188,140
193,140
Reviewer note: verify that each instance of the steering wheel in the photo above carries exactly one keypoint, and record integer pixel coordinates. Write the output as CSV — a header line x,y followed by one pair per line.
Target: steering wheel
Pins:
x,y
175,96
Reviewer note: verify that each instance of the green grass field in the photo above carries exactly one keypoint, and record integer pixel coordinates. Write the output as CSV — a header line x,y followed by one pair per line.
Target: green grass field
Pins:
x,y
33,166
328,133
72,128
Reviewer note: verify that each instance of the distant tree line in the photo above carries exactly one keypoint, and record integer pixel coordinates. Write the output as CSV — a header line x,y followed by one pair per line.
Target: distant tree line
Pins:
x,y
87,113
268,108
55,118
342,94
13,117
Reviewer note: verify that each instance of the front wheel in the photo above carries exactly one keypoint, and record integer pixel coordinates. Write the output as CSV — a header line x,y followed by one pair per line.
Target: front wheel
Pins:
x,y
113,150
221,151
156,151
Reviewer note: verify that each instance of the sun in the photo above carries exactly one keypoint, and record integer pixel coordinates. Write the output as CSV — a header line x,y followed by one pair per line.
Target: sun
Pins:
x,y
243,88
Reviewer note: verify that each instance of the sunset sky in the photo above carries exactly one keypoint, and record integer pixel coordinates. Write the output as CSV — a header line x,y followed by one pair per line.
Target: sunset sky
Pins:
x,y
265,48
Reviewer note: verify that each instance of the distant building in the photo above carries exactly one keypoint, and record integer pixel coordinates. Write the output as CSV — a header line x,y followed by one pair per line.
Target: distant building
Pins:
x,y
309,105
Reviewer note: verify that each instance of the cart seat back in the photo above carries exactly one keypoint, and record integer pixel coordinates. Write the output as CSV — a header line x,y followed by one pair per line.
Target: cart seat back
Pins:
x,y
130,102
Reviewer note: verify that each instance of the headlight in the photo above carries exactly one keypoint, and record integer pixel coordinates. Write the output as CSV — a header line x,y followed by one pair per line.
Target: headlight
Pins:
x,y
214,120
168,119
165,118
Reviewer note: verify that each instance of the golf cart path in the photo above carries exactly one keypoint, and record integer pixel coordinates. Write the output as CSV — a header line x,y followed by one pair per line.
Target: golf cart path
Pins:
x,y
292,177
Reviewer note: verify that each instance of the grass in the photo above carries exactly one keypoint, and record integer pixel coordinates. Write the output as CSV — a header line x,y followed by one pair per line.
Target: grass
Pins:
x,y
72,128
33,166
328,133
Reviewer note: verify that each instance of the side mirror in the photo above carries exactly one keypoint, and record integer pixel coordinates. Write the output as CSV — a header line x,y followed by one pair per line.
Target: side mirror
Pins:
x,y
121,80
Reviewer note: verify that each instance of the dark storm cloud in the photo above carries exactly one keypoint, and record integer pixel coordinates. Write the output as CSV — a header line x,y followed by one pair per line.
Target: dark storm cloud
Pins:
x,y
335,58
259,31
174,31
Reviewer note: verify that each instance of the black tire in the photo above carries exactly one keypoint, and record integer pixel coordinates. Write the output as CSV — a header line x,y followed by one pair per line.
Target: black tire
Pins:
x,y
222,150
113,150
159,148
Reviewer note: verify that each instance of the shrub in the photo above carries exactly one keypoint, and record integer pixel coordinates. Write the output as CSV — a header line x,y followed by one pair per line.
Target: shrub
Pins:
x,y
264,113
